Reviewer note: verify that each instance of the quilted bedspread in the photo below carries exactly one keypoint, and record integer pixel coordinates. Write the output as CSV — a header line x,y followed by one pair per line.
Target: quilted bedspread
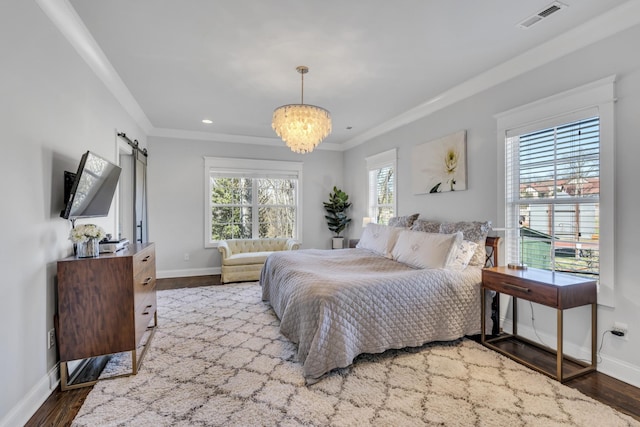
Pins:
x,y
337,304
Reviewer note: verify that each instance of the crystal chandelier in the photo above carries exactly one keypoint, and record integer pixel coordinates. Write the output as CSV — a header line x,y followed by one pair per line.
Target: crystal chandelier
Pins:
x,y
302,127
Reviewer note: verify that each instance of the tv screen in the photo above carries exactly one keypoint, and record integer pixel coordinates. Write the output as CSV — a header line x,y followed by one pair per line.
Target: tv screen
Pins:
x,y
91,190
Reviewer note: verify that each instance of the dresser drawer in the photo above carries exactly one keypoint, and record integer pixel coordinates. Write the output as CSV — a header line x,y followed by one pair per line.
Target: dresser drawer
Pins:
x,y
144,315
144,290
143,260
521,288
144,279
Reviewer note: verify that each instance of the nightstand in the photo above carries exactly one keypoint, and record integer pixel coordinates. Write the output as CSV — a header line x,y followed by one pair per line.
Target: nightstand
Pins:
x,y
556,290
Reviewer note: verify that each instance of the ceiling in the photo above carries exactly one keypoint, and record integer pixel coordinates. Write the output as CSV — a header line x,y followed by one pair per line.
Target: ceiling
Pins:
x,y
372,63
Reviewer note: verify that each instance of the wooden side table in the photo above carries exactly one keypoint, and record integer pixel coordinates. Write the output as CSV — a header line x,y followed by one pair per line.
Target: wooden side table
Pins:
x,y
556,290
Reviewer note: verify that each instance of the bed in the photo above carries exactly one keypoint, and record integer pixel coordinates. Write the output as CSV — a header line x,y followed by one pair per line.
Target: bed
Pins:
x,y
337,304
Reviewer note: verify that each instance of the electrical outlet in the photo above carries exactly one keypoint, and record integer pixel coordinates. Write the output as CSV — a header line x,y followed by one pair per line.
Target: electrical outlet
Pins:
x,y
51,338
620,330
186,256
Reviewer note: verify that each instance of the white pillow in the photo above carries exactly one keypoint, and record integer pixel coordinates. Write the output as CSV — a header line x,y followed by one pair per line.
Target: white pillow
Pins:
x,y
379,238
463,254
426,250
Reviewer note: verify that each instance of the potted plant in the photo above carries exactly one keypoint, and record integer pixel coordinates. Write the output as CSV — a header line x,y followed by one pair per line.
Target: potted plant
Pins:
x,y
336,217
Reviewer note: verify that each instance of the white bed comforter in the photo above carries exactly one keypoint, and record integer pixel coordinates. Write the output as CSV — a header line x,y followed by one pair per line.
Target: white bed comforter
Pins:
x,y
337,304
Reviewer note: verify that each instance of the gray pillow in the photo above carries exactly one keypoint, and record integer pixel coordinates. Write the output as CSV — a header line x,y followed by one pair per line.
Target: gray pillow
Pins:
x,y
403,221
474,231
426,226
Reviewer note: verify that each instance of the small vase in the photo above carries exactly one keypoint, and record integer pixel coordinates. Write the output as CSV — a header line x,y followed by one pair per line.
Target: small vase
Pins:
x,y
88,249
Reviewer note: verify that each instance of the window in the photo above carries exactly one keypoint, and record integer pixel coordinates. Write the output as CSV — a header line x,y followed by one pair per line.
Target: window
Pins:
x,y
558,184
251,199
553,189
382,186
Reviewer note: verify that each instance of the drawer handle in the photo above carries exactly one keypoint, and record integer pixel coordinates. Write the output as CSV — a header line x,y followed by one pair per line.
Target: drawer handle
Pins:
x,y
145,259
147,281
516,287
145,312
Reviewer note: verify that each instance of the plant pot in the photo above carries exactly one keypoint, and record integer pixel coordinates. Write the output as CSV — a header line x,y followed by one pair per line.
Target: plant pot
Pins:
x,y
337,243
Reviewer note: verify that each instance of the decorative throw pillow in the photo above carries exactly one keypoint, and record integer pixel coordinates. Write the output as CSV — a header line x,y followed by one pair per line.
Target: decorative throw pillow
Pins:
x,y
426,226
425,250
474,231
379,238
463,255
403,221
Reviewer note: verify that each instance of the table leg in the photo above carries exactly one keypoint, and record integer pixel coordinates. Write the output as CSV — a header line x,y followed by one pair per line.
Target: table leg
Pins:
x,y
515,315
594,334
560,352
482,314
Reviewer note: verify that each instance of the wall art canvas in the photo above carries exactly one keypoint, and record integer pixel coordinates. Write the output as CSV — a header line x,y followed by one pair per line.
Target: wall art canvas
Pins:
x,y
440,166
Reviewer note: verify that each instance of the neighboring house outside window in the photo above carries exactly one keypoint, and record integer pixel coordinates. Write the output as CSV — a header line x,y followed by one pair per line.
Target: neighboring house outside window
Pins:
x,y
381,170
558,183
248,199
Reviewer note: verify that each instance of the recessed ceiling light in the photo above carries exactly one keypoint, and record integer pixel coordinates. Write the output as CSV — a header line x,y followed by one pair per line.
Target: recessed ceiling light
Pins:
x,y
207,121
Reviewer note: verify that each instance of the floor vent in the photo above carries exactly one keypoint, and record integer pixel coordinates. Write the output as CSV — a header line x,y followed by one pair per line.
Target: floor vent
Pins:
x,y
554,7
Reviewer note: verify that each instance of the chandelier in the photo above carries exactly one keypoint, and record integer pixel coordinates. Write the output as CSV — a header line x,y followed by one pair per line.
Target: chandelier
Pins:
x,y
302,127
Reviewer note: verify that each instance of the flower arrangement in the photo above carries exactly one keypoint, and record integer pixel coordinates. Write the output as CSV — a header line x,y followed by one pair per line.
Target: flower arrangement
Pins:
x,y
84,232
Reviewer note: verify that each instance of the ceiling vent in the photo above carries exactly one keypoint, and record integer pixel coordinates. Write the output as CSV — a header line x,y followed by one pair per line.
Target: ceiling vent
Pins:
x,y
554,7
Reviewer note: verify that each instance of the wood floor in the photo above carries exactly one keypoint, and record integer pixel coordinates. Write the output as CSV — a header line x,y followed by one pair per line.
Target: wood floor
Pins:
x,y
61,407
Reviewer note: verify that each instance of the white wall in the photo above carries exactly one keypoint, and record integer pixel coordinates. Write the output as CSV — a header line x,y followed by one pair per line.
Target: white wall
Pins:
x,y
176,198
52,109
615,55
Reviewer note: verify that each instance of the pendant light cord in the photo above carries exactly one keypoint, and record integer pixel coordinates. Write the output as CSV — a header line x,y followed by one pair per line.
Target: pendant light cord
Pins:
x,y
302,89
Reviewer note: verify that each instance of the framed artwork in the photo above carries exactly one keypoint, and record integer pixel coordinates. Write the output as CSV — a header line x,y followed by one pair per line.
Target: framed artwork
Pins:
x,y
440,166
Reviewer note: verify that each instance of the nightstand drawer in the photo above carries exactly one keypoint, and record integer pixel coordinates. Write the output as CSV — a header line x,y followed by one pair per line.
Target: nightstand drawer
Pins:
x,y
521,288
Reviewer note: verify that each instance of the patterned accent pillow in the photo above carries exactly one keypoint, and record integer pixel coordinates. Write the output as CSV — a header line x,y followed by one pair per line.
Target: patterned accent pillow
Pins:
x,y
379,238
425,250
463,255
474,231
403,221
426,226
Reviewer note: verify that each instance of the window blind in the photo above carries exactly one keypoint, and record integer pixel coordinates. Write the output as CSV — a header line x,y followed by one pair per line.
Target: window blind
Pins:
x,y
553,196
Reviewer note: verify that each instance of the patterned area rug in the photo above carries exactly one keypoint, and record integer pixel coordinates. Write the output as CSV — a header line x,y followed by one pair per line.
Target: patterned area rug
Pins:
x,y
218,359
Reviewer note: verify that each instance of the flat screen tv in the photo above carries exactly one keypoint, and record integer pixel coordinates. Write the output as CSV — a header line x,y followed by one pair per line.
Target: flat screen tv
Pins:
x,y
89,192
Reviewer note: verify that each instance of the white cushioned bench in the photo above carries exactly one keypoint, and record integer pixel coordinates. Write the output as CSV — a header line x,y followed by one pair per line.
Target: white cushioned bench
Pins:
x,y
242,259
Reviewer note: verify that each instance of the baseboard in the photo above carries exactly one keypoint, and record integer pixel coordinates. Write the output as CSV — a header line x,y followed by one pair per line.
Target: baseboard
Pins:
x,y
189,272
31,402
608,365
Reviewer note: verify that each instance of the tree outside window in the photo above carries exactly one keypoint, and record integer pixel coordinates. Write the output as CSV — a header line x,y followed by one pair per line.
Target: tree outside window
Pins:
x,y
244,208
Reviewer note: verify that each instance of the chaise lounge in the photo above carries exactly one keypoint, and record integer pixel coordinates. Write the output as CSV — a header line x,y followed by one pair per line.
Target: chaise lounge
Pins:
x,y
242,259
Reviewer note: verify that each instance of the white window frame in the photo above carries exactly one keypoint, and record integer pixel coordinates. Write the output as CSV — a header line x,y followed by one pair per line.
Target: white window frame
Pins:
x,y
379,161
249,168
558,109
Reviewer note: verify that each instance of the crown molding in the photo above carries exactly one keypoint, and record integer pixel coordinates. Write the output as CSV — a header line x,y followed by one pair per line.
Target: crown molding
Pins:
x,y
612,22
237,139
625,16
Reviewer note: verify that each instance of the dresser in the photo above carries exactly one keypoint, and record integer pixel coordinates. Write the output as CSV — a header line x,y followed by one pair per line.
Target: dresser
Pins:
x,y
556,290
105,306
